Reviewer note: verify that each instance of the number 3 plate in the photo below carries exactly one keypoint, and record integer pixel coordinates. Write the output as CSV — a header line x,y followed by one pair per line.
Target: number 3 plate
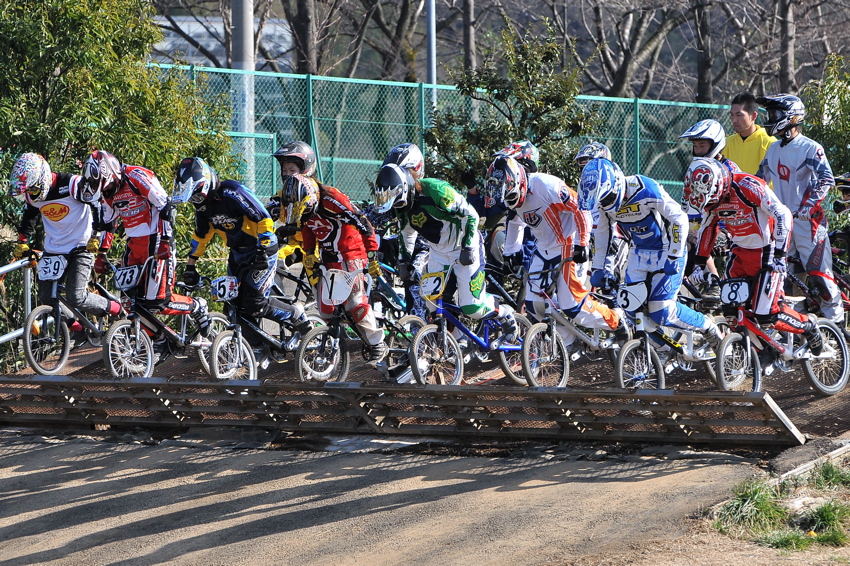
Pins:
x,y
632,296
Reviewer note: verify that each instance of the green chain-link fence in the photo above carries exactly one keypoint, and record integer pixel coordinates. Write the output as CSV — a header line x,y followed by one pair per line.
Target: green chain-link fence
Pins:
x,y
353,123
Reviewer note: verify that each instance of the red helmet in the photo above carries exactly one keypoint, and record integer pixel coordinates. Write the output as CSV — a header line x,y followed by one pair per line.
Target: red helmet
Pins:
x,y
705,182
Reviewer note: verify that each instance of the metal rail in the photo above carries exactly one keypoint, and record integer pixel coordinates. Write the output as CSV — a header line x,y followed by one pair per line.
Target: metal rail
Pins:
x,y
8,268
730,418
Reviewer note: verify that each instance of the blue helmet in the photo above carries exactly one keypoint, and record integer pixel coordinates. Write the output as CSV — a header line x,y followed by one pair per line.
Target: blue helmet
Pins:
x,y
601,186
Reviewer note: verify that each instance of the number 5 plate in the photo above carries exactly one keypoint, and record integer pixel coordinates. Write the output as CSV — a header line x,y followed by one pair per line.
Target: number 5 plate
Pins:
x,y
224,288
127,277
51,267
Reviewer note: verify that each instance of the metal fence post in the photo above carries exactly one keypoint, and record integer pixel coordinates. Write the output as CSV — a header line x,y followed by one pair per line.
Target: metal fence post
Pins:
x,y
637,136
422,116
314,140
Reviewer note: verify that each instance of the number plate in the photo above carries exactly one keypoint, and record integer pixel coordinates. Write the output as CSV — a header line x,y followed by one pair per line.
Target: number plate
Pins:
x,y
632,296
127,277
735,291
51,267
337,285
432,285
224,288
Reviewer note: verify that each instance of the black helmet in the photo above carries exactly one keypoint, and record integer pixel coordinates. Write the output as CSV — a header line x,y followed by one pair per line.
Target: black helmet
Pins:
x,y
784,111
409,156
194,181
300,153
394,188
299,197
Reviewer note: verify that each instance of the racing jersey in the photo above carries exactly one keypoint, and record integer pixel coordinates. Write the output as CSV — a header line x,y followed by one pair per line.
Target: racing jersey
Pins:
x,y
235,213
441,215
67,220
551,210
138,201
799,171
751,214
340,229
651,218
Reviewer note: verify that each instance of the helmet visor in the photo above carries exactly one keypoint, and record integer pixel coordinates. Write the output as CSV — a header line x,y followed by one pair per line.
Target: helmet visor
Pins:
x,y
385,197
608,200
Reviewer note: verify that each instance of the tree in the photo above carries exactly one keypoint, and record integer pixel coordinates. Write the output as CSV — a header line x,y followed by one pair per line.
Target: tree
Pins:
x,y
75,78
521,94
828,112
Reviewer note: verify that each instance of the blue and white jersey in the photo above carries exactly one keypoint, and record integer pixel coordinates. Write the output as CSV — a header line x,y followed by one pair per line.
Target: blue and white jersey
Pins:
x,y
650,217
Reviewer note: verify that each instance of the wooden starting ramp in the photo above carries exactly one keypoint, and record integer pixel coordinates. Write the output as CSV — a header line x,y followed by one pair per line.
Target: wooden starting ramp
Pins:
x,y
707,418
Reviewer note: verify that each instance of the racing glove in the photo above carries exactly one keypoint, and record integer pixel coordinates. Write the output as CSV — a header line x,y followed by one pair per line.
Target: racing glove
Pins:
x,y
579,254
310,262
374,268
164,250
467,256
673,265
191,277
21,249
93,245
603,280
805,212
101,264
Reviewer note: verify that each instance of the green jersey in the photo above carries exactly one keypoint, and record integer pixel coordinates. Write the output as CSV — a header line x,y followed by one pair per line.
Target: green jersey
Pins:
x,y
441,215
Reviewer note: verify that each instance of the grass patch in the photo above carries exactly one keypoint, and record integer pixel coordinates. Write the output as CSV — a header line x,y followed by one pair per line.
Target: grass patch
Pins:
x,y
787,539
828,475
833,537
827,517
755,507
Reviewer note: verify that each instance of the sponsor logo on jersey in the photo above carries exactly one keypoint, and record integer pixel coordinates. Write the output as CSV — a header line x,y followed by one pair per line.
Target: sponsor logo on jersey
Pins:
x,y
419,219
784,172
628,211
532,218
226,222
638,229
55,211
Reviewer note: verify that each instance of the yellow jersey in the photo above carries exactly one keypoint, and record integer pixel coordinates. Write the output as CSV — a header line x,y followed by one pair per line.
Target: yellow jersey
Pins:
x,y
748,153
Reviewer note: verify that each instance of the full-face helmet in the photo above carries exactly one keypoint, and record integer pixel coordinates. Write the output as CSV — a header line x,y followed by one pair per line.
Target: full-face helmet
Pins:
x,y
194,181
299,197
297,152
602,185
524,152
784,111
31,175
711,131
102,172
409,156
506,183
705,182
394,188
593,150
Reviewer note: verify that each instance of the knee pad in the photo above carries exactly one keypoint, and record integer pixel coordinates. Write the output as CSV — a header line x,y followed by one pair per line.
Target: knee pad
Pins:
x,y
360,312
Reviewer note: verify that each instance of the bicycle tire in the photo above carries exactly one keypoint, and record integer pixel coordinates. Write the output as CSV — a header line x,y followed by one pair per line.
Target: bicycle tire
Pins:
x,y
735,370
635,371
711,365
320,357
218,324
230,359
511,362
542,349
431,365
396,341
46,354
128,351
829,375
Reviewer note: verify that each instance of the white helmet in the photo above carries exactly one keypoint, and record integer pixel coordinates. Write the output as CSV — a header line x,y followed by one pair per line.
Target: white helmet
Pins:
x,y
593,150
409,156
30,174
705,183
710,130
602,185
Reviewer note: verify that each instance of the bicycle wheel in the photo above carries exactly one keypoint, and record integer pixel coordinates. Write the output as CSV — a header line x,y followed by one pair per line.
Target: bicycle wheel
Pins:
x,y
511,362
634,370
218,324
737,369
321,357
435,357
829,372
46,344
128,351
711,366
401,337
231,358
545,360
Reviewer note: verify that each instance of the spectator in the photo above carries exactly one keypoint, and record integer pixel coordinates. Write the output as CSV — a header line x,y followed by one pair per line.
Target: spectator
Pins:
x,y
748,145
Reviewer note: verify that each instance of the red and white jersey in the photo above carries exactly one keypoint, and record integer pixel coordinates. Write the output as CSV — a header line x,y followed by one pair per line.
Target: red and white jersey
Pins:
x,y
799,170
137,201
67,220
342,232
551,210
752,215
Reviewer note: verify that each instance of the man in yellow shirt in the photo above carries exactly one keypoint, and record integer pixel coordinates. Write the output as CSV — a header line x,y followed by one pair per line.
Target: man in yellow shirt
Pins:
x,y
748,145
